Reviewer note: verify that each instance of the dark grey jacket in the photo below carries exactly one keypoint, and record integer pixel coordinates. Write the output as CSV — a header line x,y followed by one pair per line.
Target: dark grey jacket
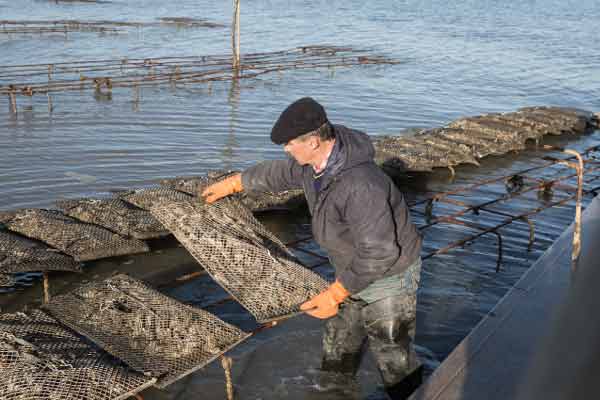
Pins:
x,y
359,217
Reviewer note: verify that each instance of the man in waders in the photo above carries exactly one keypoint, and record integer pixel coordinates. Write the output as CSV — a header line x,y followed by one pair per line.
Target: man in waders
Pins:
x,y
360,218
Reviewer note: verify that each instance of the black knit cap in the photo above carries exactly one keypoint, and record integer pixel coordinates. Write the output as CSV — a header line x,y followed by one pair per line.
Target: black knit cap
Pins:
x,y
300,117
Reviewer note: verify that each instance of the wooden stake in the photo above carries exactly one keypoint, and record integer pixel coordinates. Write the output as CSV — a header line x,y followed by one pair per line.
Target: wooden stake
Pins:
x,y
50,106
235,34
13,101
46,288
226,363
136,98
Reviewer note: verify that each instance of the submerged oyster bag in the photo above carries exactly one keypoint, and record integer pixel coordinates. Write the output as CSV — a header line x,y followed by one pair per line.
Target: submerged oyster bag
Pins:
x,y
80,240
242,256
468,139
151,332
41,359
6,280
116,215
18,254
147,198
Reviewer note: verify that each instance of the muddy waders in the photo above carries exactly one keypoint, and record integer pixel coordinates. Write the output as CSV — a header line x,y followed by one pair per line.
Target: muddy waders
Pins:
x,y
387,326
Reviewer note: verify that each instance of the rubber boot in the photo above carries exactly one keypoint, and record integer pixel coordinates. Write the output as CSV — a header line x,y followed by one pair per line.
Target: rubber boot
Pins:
x,y
343,343
390,326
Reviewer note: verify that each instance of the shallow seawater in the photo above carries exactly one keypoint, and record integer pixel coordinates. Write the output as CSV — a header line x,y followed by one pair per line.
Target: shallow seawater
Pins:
x,y
459,59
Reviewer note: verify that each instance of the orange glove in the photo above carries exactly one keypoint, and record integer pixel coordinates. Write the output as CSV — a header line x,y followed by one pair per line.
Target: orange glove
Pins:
x,y
326,304
230,185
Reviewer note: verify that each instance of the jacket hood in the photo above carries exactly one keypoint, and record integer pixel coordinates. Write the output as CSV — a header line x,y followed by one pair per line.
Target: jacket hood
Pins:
x,y
355,149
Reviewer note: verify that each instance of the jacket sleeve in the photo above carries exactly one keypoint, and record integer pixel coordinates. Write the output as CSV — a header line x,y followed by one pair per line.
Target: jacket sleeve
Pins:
x,y
371,218
273,176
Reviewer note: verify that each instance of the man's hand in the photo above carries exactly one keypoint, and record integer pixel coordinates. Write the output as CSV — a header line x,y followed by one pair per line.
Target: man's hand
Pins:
x,y
228,186
326,304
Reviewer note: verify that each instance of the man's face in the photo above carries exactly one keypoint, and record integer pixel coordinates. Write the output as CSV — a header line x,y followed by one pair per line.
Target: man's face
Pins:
x,y
303,150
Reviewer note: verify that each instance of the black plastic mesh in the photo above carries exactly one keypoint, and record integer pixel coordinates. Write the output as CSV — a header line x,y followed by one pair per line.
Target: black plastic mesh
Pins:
x,y
420,152
267,201
116,215
468,139
255,201
151,332
80,240
146,198
242,256
193,185
42,360
18,254
6,280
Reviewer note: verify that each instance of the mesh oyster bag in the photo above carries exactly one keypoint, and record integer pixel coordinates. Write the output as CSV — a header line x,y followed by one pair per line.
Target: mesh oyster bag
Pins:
x,y
149,331
467,139
80,240
147,198
18,254
40,359
116,215
256,201
6,280
242,256
193,185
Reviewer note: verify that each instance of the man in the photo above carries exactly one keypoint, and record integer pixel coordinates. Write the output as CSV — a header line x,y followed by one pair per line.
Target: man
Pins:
x,y
360,218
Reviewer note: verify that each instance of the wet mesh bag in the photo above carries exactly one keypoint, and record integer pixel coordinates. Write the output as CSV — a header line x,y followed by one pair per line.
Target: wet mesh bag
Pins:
x,y
193,185
267,201
6,280
242,256
80,240
421,152
149,331
116,215
467,139
146,198
18,254
256,201
42,360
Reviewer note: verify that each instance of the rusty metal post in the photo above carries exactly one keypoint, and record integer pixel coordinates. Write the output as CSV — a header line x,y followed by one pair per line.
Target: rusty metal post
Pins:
x,y
577,229
500,249
531,233
226,364
46,288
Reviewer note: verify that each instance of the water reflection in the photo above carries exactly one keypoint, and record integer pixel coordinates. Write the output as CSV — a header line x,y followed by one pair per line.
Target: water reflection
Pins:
x,y
231,143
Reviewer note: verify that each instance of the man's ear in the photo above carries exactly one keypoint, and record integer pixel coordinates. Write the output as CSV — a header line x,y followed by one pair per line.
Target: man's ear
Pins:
x,y
315,142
